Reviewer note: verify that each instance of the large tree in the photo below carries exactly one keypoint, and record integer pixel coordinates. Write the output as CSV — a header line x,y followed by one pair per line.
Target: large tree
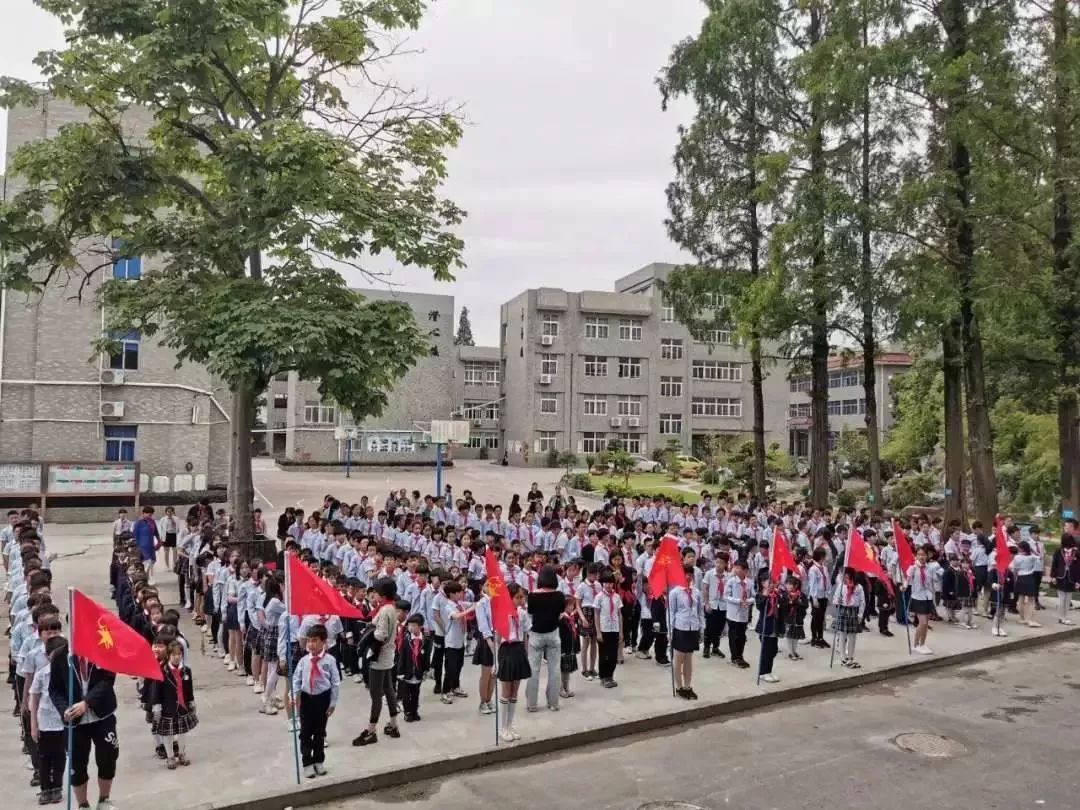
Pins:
x,y
257,177
464,335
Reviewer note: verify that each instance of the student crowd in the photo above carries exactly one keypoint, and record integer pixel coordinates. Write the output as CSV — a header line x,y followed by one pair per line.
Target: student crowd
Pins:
x,y
414,570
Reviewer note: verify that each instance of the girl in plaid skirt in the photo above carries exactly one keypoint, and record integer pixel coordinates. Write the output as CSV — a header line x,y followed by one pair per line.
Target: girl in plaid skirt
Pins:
x,y
850,601
173,706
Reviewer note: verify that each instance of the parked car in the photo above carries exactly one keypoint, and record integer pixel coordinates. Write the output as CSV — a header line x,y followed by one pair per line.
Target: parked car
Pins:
x,y
689,467
645,464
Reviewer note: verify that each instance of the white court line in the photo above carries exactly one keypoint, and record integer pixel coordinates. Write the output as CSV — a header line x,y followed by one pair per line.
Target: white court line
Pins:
x,y
263,497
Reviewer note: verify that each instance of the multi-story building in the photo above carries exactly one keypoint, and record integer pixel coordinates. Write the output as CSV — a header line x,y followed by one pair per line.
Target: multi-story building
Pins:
x,y
584,370
62,401
477,397
847,398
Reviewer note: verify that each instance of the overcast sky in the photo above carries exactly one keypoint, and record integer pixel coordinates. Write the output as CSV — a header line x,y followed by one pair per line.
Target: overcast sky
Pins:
x,y
566,154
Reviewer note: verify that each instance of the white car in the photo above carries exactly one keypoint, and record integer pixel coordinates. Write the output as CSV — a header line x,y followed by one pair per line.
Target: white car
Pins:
x,y
644,464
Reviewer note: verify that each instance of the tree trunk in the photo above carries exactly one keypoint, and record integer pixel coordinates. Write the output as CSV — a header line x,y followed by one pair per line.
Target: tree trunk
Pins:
x,y
1065,271
819,328
866,267
755,239
953,366
984,481
241,486
759,417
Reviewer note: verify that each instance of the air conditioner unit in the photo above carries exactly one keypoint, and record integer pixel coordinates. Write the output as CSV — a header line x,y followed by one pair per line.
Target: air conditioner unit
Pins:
x,y
546,379
547,340
633,421
111,376
112,410
616,421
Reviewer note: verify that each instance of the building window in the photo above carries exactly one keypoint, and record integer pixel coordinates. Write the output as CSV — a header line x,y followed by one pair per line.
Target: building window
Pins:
x,y
595,405
550,325
629,406
596,328
549,364
848,407
549,404
720,337
120,442
474,373
801,385
486,440
472,411
629,329
799,410
547,440
491,374
671,386
716,406
391,443
125,268
833,408
848,378
630,367
714,370
126,356
319,413
593,442
671,348
667,314
631,443
595,366
670,424
491,411
281,401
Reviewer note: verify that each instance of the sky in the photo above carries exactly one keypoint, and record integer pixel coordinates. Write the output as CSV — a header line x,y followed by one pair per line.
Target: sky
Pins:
x,y
565,154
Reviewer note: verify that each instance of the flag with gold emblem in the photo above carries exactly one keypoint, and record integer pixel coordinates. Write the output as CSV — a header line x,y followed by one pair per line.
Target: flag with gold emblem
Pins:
x,y
862,557
103,639
502,606
667,568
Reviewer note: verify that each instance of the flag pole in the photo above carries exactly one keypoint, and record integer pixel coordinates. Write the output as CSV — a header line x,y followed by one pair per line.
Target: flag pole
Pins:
x,y
907,616
288,668
836,607
495,675
71,689
670,634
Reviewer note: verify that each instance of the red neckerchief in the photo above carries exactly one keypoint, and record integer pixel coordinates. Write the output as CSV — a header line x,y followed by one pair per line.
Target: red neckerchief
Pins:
x,y
971,582
922,575
313,672
770,609
850,594
416,643
177,674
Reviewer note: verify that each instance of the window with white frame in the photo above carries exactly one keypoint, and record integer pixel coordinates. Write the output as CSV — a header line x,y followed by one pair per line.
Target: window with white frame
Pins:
x,y
595,365
667,314
670,424
491,411
799,410
719,337
473,410
631,442
629,329
630,368
671,386
629,406
549,324
596,328
849,407
716,406
492,374
716,370
320,413
549,404
126,355
671,348
832,408
489,441
549,364
548,440
474,373
594,405
593,442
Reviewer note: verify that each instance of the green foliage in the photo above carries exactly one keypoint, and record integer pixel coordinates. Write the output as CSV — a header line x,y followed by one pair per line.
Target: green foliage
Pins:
x,y
464,335
920,422
552,458
845,499
567,460
670,459
1027,445
852,447
582,481
623,464
910,490
590,461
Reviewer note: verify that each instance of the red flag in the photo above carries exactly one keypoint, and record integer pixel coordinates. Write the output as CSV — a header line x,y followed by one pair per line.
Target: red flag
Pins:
x,y
1002,555
780,557
307,594
502,606
105,641
905,554
862,558
667,570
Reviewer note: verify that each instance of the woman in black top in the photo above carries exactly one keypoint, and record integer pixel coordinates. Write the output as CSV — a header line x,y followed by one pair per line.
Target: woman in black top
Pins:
x,y
546,604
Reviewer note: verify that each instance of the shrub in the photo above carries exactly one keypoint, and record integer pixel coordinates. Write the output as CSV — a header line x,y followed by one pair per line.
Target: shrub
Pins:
x,y
590,461
582,481
484,454
553,457
845,499
910,490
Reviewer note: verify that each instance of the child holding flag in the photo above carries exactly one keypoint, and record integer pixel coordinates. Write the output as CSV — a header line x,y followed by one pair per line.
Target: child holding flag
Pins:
x,y
513,659
315,685
850,600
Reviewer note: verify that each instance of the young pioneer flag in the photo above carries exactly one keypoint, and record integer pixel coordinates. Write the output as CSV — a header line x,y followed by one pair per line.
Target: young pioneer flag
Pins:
x,y
861,557
103,639
905,555
667,570
502,606
307,594
780,557
1002,555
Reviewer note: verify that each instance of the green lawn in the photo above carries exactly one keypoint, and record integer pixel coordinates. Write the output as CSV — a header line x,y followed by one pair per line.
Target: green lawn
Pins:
x,y
650,484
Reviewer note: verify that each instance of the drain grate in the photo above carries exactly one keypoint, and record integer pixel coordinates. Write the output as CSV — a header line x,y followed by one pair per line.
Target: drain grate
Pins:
x,y
670,806
930,745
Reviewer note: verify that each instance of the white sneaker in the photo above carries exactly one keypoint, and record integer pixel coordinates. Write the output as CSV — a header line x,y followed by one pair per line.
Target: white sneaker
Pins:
x,y
106,804
768,677
1003,634
507,735
487,708
250,681
268,708
309,771
1066,621
516,735
1033,624
231,666
319,769
358,678
188,606
924,650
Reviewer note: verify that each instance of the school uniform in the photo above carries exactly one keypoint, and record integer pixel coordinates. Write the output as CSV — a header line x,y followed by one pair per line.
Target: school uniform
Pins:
x,y
97,727
817,591
795,606
454,645
513,657
1023,567
175,696
316,684
770,626
483,655
921,582
413,662
1065,577
712,596
849,607
687,619
736,592
586,595
607,611
52,741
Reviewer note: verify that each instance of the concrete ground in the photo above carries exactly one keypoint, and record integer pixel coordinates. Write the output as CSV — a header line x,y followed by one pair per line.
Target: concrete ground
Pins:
x,y
243,758
1014,744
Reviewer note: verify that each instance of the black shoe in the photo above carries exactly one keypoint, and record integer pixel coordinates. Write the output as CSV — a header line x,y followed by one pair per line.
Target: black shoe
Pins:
x,y
718,654
366,738
691,694
742,664
824,644
391,731
409,718
706,654
888,633
682,693
35,780
437,691
176,749
161,752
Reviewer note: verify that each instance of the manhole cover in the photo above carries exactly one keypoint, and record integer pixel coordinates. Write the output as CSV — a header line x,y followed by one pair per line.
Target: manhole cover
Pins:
x,y
930,745
670,806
